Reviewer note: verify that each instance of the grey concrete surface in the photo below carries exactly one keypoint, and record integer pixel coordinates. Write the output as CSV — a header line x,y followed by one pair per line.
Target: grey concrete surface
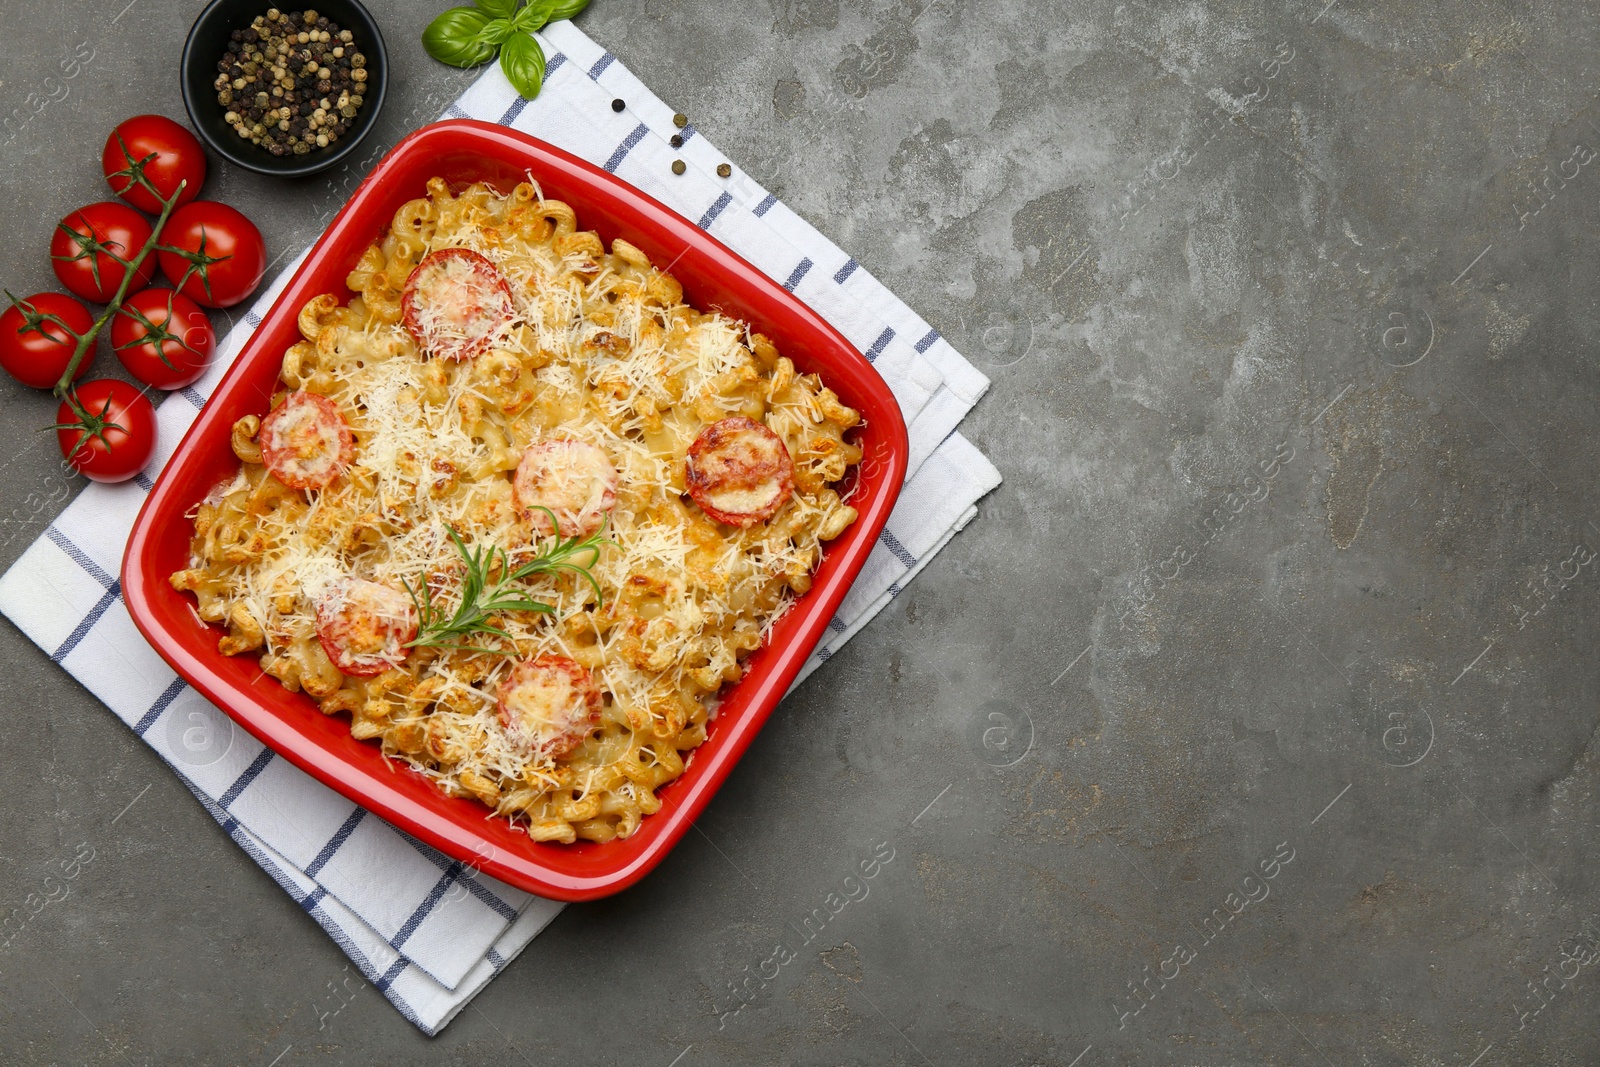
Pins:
x,y
1296,404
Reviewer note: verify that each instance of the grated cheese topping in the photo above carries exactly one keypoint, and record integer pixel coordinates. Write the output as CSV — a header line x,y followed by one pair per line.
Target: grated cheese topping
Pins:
x,y
599,352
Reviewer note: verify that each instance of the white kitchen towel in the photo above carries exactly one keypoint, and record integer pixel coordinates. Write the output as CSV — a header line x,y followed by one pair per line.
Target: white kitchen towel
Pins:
x,y
428,931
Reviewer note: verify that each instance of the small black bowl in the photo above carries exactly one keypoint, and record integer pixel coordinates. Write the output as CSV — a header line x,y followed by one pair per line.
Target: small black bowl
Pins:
x,y
208,41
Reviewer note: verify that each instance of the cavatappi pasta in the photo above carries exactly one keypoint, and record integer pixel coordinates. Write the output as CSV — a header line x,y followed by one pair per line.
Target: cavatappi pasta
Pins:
x,y
500,373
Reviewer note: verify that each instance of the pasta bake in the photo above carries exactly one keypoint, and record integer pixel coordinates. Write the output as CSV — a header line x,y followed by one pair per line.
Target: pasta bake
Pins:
x,y
520,511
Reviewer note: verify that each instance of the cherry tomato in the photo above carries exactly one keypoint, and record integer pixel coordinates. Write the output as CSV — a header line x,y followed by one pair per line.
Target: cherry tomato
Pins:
x,y
212,254
85,242
574,479
163,151
549,705
107,430
305,442
739,472
163,338
454,302
34,349
364,626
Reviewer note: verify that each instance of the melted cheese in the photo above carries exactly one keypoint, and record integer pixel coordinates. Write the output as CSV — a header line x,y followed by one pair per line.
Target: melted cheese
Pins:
x,y
456,304
585,357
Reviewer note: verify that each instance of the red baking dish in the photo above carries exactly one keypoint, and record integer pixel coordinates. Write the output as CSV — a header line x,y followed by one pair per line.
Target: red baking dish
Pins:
x,y
713,277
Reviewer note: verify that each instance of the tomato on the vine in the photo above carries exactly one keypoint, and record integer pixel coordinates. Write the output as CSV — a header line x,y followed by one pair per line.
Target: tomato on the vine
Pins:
x,y
160,149
212,254
106,429
34,347
163,338
92,247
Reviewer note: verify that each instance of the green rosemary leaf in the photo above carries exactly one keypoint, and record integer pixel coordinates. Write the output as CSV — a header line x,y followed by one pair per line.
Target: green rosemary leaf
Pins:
x,y
489,588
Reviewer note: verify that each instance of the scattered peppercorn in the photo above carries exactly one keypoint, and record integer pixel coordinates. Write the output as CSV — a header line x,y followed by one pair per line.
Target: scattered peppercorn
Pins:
x,y
618,104
724,170
677,140
291,82
678,166
680,120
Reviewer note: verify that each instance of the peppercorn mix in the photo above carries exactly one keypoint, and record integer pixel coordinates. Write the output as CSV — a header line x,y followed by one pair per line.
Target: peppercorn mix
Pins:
x,y
292,82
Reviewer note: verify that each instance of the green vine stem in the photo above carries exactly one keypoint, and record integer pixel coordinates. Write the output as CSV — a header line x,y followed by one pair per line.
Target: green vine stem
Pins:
x,y
131,267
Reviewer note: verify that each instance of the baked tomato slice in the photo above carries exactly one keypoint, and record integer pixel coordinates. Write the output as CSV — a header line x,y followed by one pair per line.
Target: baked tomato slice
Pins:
x,y
365,626
739,472
573,479
455,302
305,442
549,705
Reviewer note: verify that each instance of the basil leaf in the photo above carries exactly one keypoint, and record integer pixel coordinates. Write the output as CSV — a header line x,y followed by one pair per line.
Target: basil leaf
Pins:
x,y
539,12
497,31
534,16
564,9
453,38
522,60
500,9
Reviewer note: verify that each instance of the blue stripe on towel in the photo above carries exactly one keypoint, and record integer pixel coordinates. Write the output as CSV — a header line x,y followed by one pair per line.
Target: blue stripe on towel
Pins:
x,y
625,147
880,344
164,701
799,272
714,210
241,783
893,545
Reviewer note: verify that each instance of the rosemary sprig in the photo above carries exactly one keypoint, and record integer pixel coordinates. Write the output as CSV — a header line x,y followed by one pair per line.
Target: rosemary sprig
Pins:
x,y
483,594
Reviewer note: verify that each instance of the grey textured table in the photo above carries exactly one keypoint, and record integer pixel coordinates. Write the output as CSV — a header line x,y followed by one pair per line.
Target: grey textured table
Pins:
x,y
1251,723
